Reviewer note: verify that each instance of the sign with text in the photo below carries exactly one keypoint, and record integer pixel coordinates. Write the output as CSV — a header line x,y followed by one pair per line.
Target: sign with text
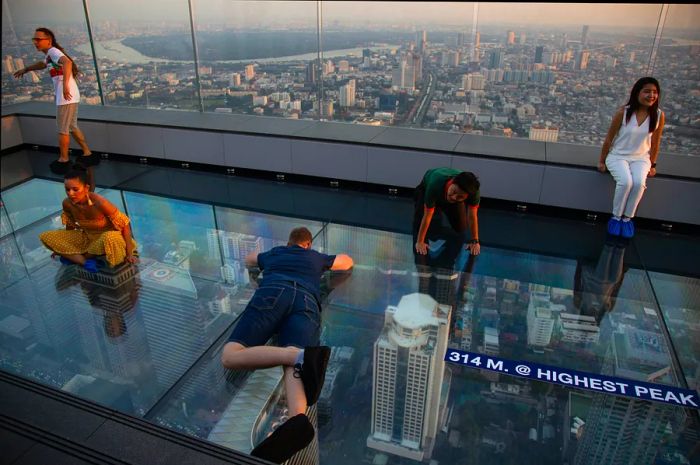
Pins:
x,y
589,381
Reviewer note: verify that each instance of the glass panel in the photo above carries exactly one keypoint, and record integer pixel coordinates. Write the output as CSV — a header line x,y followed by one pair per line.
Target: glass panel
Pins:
x,y
368,412
256,57
33,200
19,20
679,298
175,232
11,264
144,53
676,68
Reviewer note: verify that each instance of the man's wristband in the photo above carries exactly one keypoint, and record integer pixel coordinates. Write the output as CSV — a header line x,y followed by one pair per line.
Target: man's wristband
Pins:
x,y
474,241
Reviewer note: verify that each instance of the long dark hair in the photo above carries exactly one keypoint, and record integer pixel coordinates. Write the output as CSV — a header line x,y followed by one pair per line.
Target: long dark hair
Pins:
x,y
78,171
52,36
633,102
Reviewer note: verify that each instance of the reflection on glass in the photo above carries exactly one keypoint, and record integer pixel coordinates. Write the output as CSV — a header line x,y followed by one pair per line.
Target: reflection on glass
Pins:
x,y
174,232
32,200
144,53
679,299
676,60
19,20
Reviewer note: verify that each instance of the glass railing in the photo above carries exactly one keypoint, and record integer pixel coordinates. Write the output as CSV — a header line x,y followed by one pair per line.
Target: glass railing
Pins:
x,y
477,68
147,339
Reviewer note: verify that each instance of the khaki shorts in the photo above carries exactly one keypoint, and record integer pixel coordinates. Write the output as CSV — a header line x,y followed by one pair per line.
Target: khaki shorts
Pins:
x,y
67,118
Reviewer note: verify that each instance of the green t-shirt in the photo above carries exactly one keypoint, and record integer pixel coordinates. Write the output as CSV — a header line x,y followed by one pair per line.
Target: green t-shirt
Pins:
x,y
434,182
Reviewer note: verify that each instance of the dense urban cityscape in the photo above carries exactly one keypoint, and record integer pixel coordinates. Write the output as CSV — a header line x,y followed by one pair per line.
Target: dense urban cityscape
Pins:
x,y
555,85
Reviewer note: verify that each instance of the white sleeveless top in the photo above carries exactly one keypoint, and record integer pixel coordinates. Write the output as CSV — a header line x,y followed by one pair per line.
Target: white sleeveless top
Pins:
x,y
633,140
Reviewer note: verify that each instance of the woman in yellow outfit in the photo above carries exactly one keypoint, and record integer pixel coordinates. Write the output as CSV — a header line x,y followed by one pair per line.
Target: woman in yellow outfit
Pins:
x,y
93,227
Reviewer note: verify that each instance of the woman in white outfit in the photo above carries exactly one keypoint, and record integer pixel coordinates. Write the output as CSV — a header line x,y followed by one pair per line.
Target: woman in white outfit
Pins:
x,y
630,151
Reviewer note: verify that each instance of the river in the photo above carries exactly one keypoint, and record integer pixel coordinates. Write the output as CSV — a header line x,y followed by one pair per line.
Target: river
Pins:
x,y
114,50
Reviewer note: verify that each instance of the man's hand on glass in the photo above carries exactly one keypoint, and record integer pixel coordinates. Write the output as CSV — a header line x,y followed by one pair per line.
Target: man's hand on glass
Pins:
x,y
421,248
474,247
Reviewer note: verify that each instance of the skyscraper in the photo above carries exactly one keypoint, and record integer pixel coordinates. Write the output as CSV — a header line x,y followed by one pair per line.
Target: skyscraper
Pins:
x,y
403,75
477,39
540,322
496,59
8,64
421,41
582,60
347,94
510,37
584,36
622,430
538,53
249,72
522,38
461,39
408,377
311,72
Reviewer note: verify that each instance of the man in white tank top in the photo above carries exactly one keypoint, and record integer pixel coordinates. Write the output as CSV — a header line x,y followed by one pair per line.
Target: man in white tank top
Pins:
x,y
630,151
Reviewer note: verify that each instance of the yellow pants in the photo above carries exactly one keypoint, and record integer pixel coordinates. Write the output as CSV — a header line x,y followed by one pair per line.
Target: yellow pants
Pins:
x,y
78,242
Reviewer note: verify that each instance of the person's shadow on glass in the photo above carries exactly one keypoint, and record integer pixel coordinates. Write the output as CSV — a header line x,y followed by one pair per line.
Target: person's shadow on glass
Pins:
x,y
597,284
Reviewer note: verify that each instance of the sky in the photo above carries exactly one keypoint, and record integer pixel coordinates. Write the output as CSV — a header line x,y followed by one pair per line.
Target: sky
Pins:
x,y
420,14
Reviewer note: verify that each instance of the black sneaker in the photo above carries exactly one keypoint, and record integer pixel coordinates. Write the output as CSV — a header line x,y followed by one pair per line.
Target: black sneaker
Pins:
x,y
60,167
291,437
313,371
88,160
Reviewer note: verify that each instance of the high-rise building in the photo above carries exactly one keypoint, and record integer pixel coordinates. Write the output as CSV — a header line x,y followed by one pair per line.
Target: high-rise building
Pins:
x,y
473,81
366,53
177,326
510,37
403,76
311,72
249,72
328,109
540,322
19,63
584,36
522,38
421,41
408,377
417,66
622,430
347,94
581,62
564,41
461,39
328,68
453,59
235,80
477,39
496,59
539,50
343,66
8,64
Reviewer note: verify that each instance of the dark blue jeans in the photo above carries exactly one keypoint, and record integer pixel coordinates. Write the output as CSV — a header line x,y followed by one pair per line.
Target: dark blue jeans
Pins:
x,y
287,310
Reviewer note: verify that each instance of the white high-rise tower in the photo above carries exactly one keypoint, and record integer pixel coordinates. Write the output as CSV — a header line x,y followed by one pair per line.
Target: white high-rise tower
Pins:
x,y
408,377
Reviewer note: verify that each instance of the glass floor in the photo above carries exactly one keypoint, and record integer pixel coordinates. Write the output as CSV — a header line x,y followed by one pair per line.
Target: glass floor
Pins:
x,y
549,294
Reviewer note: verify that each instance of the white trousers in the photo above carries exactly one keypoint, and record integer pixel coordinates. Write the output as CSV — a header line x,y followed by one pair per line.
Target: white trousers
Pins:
x,y
630,174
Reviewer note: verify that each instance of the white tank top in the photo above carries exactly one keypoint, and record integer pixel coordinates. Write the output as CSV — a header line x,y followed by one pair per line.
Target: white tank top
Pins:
x,y
633,140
